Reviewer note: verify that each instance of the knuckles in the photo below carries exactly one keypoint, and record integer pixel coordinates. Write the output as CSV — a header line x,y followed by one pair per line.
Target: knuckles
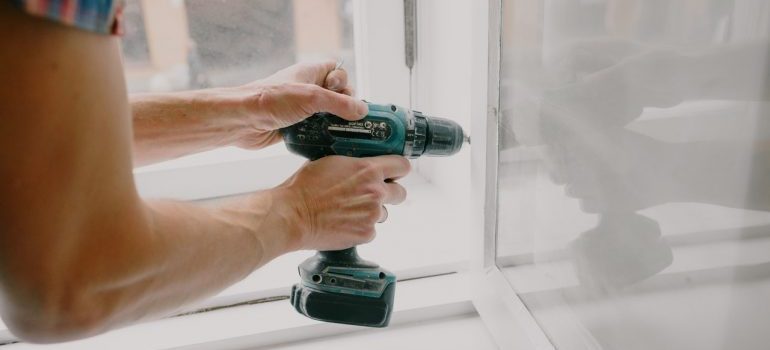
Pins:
x,y
373,212
313,94
375,192
369,170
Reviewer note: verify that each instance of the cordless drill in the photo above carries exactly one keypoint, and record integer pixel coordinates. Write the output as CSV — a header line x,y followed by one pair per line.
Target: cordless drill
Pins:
x,y
338,286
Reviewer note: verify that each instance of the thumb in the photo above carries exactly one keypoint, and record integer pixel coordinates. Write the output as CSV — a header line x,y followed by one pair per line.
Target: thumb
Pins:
x,y
344,106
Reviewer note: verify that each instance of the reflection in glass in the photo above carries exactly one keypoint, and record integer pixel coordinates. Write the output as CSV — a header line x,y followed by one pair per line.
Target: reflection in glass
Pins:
x,y
634,205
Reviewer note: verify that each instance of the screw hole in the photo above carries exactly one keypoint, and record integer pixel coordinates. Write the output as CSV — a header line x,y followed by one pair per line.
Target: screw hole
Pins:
x,y
316,278
333,280
393,108
382,275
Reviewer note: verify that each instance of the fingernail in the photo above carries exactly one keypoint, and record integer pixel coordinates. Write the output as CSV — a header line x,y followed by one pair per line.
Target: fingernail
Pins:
x,y
363,108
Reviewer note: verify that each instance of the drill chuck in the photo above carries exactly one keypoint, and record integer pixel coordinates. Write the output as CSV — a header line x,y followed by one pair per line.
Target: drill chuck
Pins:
x,y
432,136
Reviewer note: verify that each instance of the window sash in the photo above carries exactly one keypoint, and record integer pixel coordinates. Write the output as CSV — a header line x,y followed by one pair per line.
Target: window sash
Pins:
x,y
504,314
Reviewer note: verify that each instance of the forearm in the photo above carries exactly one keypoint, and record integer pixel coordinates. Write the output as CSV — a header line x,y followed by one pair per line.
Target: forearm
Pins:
x,y
196,252
127,262
171,125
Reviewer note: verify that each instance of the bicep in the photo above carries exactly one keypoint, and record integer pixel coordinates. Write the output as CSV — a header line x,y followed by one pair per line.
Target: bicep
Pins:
x,y
64,139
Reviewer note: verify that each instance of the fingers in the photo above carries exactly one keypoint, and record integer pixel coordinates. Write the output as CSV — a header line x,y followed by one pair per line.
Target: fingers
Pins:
x,y
313,72
336,80
332,77
348,91
392,166
394,193
341,105
327,67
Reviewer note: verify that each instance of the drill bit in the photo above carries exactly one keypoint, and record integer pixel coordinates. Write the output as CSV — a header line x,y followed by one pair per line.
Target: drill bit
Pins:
x,y
339,64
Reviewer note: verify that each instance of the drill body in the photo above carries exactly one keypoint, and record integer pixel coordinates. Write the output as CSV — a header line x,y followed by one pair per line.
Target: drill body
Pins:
x,y
387,129
339,286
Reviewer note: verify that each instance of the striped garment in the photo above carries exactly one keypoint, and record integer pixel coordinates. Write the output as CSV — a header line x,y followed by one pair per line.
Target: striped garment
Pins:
x,y
101,16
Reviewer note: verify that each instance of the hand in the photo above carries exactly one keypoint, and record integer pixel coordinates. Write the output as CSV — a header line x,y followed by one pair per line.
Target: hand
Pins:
x,y
339,199
291,95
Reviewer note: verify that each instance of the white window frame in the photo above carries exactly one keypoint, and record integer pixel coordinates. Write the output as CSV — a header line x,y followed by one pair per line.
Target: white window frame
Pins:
x,y
264,317
504,314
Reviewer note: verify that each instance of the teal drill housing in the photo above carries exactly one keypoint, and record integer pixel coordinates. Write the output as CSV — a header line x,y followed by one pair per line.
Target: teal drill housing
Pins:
x,y
339,286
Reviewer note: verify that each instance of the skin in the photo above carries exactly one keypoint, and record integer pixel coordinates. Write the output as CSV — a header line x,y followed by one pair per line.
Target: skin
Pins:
x,y
81,253
176,124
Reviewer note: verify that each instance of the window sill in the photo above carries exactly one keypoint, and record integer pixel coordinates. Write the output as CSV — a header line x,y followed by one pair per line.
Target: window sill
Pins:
x,y
217,173
273,323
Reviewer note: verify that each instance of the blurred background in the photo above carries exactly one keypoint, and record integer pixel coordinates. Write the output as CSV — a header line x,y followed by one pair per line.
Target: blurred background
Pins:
x,y
172,45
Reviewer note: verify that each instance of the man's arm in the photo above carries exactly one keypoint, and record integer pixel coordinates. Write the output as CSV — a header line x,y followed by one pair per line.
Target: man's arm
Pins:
x,y
170,125
80,252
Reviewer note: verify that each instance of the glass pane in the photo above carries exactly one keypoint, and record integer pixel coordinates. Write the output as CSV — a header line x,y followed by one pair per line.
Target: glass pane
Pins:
x,y
634,175
174,45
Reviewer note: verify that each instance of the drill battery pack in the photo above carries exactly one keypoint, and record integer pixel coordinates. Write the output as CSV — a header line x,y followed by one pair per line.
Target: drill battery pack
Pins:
x,y
344,308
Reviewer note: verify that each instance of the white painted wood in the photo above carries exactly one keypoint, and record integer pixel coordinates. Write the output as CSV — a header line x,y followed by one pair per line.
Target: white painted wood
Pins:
x,y
216,178
379,45
456,333
505,316
273,323
440,85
